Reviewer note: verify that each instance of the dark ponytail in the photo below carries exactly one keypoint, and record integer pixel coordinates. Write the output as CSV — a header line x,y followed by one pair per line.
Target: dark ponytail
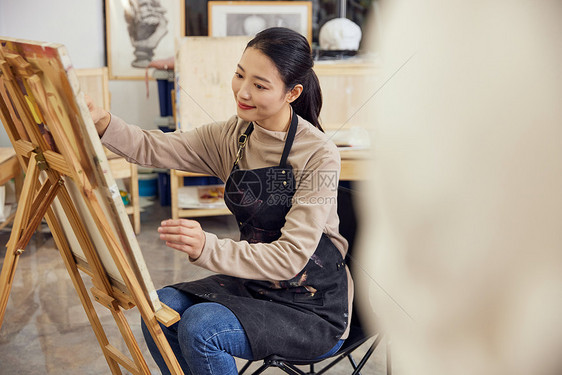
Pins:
x,y
291,54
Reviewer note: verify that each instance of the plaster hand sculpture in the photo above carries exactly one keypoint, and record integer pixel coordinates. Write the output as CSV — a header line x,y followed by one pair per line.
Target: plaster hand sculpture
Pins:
x,y
340,34
146,25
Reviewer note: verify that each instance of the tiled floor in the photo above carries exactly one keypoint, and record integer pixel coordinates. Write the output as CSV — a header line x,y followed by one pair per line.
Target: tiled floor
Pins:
x,y
45,329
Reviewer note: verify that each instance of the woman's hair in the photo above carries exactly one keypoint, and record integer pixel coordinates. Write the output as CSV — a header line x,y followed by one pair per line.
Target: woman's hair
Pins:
x,y
292,55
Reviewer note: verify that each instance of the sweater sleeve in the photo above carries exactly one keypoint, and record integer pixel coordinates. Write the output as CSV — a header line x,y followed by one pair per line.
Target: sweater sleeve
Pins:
x,y
200,150
314,201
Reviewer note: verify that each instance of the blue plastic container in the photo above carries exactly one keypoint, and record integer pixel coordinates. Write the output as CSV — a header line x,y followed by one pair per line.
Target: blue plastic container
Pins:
x,y
148,184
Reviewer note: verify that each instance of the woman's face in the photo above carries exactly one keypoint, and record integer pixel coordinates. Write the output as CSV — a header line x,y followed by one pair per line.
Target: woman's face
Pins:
x,y
259,91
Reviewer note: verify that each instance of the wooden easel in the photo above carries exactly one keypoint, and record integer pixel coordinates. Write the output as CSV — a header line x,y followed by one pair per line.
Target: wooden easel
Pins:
x,y
48,172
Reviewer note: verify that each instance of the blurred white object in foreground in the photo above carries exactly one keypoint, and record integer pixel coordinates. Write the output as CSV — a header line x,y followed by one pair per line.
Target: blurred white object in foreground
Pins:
x,y
464,222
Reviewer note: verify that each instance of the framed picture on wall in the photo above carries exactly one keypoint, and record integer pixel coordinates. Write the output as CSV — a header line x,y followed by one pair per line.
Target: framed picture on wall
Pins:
x,y
141,31
231,18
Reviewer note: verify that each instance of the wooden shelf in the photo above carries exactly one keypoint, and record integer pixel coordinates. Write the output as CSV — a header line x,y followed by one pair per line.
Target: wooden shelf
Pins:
x,y
200,212
354,167
9,166
176,181
189,174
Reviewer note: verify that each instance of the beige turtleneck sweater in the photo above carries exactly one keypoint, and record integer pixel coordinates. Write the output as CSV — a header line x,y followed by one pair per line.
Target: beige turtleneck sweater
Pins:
x,y
211,149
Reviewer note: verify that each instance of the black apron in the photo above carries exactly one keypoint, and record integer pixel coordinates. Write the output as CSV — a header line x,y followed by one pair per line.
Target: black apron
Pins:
x,y
303,317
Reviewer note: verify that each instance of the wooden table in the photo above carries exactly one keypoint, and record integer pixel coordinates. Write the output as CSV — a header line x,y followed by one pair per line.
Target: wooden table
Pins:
x,y
9,168
354,164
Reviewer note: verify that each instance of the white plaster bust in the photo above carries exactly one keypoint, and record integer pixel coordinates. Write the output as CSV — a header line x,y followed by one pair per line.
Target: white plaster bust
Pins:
x,y
340,34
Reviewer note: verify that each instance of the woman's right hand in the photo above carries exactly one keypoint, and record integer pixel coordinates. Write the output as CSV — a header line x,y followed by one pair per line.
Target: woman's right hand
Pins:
x,y
183,235
99,115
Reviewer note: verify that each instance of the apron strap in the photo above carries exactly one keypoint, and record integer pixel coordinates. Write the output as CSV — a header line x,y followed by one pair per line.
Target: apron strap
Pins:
x,y
289,140
242,143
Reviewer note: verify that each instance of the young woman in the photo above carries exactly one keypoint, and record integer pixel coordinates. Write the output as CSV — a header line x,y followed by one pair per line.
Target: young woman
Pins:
x,y
283,288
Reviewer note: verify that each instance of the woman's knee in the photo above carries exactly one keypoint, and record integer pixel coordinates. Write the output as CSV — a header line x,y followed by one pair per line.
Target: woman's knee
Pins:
x,y
174,299
177,301
203,323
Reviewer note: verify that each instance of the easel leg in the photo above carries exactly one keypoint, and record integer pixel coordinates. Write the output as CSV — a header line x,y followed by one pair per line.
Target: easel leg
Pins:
x,y
70,264
162,344
132,345
12,254
6,279
24,225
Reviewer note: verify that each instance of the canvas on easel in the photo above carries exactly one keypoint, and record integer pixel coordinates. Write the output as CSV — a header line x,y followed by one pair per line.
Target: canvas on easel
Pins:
x,y
68,181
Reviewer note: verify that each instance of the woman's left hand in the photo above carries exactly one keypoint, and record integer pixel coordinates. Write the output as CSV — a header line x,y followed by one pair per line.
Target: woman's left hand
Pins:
x,y
183,235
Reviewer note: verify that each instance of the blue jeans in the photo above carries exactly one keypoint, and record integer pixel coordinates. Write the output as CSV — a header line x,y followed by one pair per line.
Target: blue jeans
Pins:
x,y
206,339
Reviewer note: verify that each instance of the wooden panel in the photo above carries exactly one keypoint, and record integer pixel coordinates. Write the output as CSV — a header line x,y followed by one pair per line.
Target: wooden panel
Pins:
x,y
204,72
95,83
347,88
